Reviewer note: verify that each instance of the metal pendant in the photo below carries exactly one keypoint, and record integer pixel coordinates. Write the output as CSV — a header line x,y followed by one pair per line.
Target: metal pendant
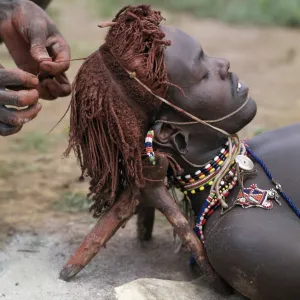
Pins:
x,y
244,162
256,197
272,194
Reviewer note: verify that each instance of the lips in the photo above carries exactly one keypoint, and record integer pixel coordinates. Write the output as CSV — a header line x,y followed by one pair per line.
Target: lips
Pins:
x,y
239,89
242,89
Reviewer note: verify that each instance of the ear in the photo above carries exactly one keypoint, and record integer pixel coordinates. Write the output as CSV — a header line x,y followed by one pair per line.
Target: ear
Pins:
x,y
170,136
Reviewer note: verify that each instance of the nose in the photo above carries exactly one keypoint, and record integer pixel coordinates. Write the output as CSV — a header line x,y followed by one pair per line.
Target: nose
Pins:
x,y
224,66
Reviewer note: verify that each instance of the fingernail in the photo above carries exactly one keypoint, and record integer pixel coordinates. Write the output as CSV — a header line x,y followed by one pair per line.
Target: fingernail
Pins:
x,y
56,46
47,66
44,57
26,120
35,81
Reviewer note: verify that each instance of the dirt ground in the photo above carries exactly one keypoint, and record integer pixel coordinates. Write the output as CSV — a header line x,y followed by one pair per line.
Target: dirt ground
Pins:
x,y
35,181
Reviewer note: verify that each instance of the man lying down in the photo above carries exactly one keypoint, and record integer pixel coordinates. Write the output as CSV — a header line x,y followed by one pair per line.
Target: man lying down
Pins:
x,y
150,103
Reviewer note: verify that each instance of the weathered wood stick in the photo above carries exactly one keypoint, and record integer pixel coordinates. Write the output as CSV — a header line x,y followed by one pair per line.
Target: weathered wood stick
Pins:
x,y
160,198
105,228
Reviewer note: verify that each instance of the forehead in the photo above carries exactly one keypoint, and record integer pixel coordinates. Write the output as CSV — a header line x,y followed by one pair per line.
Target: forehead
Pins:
x,y
183,51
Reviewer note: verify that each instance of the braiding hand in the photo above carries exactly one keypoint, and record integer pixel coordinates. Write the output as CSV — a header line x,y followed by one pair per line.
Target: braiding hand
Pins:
x,y
19,89
37,47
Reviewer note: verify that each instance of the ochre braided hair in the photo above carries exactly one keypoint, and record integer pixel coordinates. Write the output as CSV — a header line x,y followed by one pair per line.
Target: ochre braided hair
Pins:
x,y
111,112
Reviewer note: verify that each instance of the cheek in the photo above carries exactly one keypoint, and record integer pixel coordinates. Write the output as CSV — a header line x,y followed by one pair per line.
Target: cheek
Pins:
x,y
212,101
206,101
219,94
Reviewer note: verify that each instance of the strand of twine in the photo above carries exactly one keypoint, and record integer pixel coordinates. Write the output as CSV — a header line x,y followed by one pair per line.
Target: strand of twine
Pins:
x,y
101,25
207,121
234,139
133,75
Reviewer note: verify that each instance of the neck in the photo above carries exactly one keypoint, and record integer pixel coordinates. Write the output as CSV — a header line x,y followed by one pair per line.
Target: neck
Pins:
x,y
191,145
204,145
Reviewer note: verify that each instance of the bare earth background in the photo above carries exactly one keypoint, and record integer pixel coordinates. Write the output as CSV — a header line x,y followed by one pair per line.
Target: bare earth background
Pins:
x,y
43,211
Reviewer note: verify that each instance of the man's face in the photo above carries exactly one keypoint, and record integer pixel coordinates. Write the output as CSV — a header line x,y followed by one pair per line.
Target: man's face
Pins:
x,y
206,88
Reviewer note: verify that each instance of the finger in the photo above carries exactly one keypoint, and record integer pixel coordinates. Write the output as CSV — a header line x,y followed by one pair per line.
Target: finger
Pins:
x,y
17,77
37,35
20,99
44,92
14,33
16,117
60,51
58,90
6,130
57,87
44,75
62,78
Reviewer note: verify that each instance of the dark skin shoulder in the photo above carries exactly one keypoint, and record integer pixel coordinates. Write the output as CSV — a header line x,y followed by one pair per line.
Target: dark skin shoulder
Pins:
x,y
256,250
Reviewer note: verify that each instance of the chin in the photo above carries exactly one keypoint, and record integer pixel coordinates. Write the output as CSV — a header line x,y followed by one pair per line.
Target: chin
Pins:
x,y
248,113
241,119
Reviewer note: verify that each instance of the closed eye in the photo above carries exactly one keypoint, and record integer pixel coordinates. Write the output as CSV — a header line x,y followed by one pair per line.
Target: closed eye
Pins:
x,y
206,76
201,54
201,58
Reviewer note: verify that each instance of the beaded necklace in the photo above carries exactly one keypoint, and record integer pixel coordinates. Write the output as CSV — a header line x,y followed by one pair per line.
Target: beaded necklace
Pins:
x,y
149,146
205,177
212,202
202,179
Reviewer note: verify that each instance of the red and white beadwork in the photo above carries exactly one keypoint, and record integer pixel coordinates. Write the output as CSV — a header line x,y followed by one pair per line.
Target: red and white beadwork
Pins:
x,y
253,196
213,202
149,146
204,177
